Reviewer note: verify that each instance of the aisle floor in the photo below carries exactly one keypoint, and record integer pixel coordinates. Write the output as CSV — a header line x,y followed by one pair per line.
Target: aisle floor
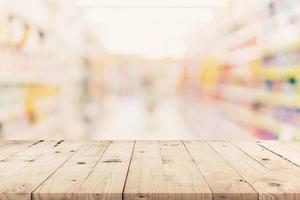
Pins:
x,y
126,118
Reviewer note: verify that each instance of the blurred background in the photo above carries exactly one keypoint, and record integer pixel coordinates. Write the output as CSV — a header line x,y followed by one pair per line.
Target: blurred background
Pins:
x,y
159,69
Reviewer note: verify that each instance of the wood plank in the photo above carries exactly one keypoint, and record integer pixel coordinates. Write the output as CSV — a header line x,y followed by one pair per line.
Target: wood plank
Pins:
x,y
13,147
266,157
39,149
106,181
68,179
4,142
293,144
223,180
12,163
164,170
289,150
270,184
16,162
21,184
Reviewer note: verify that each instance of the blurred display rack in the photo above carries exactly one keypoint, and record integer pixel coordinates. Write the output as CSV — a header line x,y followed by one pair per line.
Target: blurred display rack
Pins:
x,y
238,77
279,73
20,116
246,94
248,117
45,129
20,69
27,73
24,73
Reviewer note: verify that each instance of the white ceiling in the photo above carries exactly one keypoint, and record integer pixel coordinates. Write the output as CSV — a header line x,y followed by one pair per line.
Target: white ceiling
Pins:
x,y
151,28
152,3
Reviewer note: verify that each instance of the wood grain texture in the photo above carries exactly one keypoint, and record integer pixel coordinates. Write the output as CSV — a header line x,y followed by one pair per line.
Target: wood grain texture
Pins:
x,y
11,164
270,184
67,180
9,148
266,158
289,150
24,181
223,180
4,142
163,170
107,179
148,170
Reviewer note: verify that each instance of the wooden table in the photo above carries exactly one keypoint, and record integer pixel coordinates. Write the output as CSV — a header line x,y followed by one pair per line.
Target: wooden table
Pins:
x,y
166,170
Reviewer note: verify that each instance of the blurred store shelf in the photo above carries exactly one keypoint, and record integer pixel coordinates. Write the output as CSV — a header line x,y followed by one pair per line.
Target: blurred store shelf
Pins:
x,y
239,78
242,94
249,61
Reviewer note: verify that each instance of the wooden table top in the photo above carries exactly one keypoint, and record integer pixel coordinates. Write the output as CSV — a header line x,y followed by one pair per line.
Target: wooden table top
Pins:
x,y
149,170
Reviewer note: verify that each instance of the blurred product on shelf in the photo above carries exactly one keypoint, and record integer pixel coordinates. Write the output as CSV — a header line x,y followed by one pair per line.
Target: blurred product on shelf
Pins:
x,y
42,69
240,74
249,63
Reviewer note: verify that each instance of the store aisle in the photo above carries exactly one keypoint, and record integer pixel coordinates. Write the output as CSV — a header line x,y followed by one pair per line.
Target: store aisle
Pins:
x,y
127,118
207,121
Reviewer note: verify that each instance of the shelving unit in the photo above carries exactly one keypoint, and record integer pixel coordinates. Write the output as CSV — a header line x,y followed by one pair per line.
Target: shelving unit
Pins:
x,y
251,63
40,78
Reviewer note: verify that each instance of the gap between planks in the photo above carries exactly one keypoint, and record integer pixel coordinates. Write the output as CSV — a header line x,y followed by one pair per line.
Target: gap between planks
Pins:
x,y
26,176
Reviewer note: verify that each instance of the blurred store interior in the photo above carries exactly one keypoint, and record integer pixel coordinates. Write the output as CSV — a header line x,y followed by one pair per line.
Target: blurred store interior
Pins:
x,y
141,69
